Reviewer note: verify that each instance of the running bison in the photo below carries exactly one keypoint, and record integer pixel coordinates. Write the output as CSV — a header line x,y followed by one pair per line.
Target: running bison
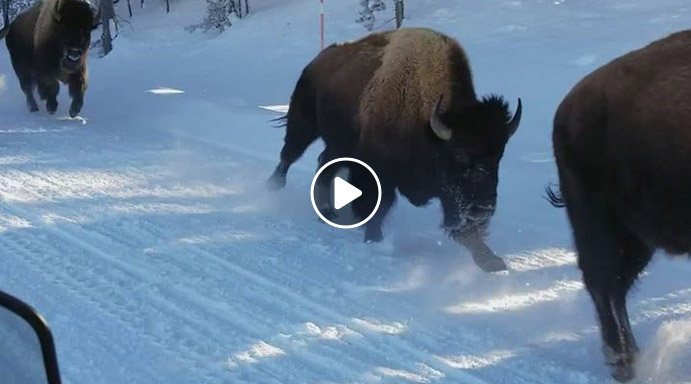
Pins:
x,y
622,141
404,103
49,43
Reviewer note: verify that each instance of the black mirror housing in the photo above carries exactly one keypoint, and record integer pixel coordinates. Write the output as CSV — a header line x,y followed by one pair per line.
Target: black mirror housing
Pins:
x,y
27,314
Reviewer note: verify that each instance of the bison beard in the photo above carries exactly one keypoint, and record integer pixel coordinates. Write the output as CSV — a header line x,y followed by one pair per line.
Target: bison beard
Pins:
x,y
404,103
49,44
622,144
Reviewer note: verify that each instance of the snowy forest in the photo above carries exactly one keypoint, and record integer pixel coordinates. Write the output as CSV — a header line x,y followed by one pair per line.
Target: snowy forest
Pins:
x,y
219,14
159,161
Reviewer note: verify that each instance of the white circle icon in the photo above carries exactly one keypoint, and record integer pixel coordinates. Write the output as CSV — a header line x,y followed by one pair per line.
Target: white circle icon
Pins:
x,y
344,193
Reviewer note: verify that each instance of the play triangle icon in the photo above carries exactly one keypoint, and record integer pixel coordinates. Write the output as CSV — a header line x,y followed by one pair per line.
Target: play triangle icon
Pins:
x,y
344,193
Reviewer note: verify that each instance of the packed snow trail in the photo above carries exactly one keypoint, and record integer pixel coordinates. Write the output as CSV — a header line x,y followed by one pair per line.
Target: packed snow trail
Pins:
x,y
147,239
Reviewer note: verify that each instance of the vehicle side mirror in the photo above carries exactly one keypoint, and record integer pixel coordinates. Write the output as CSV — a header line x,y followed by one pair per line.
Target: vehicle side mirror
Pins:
x,y
27,350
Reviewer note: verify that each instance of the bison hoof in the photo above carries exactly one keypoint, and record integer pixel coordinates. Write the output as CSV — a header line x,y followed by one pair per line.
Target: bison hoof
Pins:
x,y
276,182
52,106
373,235
74,110
623,372
491,263
622,365
33,108
327,212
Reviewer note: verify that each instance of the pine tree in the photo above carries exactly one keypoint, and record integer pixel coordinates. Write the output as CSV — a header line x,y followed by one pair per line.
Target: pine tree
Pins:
x,y
9,9
377,5
369,7
219,14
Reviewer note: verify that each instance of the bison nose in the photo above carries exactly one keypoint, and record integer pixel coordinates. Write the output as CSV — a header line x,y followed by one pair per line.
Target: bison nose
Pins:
x,y
74,54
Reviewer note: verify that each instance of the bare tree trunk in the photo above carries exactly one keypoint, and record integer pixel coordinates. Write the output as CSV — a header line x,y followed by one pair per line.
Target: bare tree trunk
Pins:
x,y
400,13
129,8
6,13
141,5
167,6
247,7
107,14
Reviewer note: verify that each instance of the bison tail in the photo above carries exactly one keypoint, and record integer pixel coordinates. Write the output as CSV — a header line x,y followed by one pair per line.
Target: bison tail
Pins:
x,y
280,122
4,31
554,196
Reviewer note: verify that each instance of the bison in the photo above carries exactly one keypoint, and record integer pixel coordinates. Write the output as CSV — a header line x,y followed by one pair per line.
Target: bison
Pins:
x,y
622,142
49,43
404,103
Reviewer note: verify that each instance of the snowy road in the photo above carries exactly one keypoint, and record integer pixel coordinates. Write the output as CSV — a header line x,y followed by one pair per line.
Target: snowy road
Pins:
x,y
147,239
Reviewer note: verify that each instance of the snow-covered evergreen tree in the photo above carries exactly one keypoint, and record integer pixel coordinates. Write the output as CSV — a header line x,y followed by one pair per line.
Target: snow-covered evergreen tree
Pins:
x,y
377,5
367,17
5,9
9,9
219,14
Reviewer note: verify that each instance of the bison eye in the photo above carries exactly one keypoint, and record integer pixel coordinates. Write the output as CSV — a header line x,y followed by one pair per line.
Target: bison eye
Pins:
x,y
461,158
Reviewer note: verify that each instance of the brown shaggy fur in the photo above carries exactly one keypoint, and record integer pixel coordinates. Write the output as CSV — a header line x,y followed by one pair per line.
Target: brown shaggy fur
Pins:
x,y
41,39
410,56
622,140
372,99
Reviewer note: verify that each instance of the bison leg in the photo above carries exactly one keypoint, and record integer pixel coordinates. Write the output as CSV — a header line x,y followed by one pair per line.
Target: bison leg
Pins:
x,y
482,255
608,273
298,138
48,90
324,183
27,85
301,131
610,257
77,89
26,81
362,206
296,142
373,232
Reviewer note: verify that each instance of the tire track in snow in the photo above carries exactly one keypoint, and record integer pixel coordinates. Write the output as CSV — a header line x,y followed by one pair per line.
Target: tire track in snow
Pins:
x,y
404,350
530,378
257,280
89,283
86,240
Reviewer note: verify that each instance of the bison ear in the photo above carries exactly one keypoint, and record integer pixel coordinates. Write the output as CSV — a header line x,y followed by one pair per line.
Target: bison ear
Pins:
x,y
438,127
516,120
97,18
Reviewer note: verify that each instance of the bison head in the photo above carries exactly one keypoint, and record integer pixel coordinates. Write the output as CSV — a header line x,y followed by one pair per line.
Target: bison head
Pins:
x,y
75,20
469,143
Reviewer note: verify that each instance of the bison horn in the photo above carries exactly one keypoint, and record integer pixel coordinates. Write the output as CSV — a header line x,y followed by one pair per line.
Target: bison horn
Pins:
x,y
516,120
439,128
58,5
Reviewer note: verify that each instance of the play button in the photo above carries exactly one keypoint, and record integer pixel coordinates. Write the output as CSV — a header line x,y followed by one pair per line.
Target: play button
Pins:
x,y
346,193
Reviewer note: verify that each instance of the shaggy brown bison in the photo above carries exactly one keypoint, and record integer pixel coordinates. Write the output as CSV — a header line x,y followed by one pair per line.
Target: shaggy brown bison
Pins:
x,y
49,43
622,140
404,103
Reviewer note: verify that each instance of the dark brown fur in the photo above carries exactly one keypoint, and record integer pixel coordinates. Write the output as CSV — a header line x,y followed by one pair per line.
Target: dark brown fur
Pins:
x,y
622,140
41,42
372,99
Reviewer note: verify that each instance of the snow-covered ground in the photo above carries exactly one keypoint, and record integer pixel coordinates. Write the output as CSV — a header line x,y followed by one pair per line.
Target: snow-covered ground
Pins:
x,y
147,239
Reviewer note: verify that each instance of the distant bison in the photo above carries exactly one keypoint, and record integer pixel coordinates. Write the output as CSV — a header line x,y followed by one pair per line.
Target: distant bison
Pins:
x,y
404,103
49,43
622,141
